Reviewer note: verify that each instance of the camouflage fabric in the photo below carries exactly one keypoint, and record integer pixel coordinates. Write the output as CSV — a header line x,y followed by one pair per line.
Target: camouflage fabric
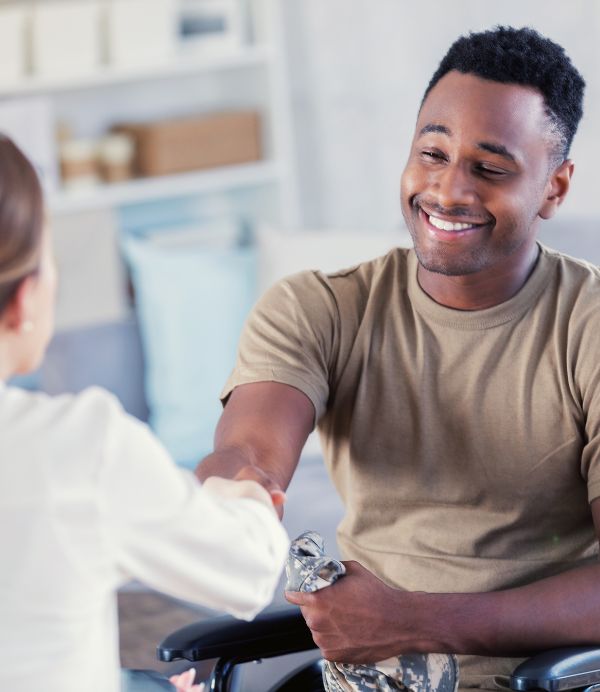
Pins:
x,y
414,672
309,569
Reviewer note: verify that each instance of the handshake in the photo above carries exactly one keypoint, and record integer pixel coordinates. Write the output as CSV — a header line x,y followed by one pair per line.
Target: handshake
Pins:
x,y
251,482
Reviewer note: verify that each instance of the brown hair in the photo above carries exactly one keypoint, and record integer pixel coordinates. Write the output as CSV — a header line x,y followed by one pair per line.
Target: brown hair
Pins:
x,y
21,219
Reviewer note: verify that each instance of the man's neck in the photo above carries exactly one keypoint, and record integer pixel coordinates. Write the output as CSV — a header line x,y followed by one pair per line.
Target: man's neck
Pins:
x,y
483,289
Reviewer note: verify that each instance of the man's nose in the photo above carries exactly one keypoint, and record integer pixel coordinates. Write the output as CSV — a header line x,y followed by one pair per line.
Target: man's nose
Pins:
x,y
454,187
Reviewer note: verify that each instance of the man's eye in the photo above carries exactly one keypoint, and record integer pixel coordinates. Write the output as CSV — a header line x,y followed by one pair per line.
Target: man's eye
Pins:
x,y
431,155
492,172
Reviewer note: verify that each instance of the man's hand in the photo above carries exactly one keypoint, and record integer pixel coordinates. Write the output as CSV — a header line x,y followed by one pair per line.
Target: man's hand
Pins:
x,y
253,473
359,618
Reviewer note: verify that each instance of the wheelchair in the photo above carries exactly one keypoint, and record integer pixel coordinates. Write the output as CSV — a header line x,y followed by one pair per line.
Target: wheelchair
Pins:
x,y
283,631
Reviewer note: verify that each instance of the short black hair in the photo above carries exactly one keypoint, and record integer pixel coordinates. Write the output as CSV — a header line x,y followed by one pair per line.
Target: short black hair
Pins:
x,y
523,56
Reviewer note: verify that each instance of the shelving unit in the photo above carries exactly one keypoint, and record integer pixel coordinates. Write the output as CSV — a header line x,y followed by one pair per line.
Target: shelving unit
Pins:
x,y
144,189
87,221
251,76
246,56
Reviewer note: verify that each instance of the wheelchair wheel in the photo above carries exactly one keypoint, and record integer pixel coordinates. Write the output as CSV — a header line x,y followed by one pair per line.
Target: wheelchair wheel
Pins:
x,y
308,678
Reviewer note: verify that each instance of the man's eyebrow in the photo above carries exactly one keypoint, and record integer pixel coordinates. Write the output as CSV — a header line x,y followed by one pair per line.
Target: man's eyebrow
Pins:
x,y
432,127
499,149
491,147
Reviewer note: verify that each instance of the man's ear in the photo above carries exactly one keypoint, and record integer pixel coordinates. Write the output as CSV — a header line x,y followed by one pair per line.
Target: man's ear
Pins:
x,y
18,311
556,189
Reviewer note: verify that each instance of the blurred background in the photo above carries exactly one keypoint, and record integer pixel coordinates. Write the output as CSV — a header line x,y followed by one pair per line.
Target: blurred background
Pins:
x,y
194,151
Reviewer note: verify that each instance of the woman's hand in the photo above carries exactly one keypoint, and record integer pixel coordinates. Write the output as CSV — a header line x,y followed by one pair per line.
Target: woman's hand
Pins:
x,y
249,482
184,682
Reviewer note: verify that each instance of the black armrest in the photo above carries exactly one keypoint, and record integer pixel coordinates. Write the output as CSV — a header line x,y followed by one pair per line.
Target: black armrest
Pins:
x,y
283,631
558,669
274,633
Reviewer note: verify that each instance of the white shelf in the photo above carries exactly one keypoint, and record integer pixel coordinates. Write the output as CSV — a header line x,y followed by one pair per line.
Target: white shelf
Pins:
x,y
247,56
143,189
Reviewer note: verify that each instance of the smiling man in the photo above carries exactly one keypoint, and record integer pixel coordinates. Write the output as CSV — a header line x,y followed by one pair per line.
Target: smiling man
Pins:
x,y
456,386
488,161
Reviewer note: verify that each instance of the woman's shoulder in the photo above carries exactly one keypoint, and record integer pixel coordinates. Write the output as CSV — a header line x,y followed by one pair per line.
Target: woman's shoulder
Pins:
x,y
27,416
39,402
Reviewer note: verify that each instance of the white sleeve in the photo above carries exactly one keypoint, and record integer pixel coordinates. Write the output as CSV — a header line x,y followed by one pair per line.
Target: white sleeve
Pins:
x,y
179,538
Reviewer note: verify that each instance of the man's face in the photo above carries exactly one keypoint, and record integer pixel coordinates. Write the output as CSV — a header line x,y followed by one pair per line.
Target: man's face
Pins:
x,y
476,175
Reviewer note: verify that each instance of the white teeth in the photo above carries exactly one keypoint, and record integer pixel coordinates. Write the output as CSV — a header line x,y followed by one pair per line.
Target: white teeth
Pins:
x,y
448,226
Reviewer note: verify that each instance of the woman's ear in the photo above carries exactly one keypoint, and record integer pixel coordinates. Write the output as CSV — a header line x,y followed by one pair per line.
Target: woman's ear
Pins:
x,y
556,189
18,313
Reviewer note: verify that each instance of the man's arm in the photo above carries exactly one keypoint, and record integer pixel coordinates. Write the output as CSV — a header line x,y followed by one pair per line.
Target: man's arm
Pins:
x,y
260,435
360,618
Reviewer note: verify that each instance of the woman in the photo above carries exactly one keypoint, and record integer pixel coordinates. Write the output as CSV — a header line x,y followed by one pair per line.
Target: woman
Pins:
x,y
89,498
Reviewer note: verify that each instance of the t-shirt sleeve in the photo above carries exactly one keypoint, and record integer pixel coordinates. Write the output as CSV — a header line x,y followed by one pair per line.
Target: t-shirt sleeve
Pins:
x,y
290,337
177,537
587,376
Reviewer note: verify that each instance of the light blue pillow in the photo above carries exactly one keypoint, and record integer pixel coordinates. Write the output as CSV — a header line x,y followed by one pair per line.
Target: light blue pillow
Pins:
x,y
191,300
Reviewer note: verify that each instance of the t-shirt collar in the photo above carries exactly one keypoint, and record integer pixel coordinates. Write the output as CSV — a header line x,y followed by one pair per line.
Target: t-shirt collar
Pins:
x,y
507,311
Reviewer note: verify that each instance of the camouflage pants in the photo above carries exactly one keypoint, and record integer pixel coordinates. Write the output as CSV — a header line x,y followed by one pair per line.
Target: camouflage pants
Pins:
x,y
309,569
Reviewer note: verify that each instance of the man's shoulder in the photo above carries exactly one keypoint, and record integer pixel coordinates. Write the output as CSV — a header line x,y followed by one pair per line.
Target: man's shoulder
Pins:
x,y
572,263
389,264
574,295
356,280
575,275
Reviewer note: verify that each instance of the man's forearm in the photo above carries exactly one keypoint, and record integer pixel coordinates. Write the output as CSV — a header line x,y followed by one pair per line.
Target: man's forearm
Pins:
x,y
262,429
361,619
557,611
229,462
226,463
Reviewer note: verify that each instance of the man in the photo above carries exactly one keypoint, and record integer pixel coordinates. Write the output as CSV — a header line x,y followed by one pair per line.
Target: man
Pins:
x,y
456,386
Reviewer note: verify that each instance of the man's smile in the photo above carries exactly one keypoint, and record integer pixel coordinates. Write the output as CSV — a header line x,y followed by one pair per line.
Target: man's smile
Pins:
x,y
448,225
444,228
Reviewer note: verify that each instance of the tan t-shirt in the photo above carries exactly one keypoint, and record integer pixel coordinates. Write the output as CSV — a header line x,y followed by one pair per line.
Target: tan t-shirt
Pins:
x,y
465,445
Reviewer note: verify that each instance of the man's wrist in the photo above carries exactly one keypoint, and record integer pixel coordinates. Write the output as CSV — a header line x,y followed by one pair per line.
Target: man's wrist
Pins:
x,y
224,463
455,623
429,618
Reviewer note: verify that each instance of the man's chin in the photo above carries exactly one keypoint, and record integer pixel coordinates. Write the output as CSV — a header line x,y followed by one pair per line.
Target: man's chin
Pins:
x,y
438,263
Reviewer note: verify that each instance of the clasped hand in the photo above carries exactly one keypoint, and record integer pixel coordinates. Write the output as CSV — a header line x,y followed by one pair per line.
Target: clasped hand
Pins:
x,y
358,619
233,468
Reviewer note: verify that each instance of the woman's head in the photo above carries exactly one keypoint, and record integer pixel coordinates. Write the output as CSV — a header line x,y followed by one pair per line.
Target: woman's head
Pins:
x,y
21,220
27,273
